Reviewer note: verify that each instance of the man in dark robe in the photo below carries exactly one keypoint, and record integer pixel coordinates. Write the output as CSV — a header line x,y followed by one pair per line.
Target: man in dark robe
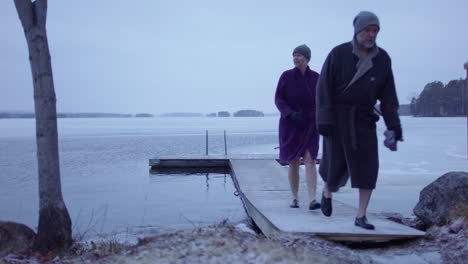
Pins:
x,y
354,76
298,135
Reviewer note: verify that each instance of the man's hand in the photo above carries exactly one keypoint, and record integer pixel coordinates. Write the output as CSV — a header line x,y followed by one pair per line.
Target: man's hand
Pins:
x,y
326,130
398,132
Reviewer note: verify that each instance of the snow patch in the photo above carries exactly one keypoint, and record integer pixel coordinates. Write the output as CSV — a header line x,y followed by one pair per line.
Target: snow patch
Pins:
x,y
424,258
244,228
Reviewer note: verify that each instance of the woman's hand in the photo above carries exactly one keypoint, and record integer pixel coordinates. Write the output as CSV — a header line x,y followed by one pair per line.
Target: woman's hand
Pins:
x,y
296,117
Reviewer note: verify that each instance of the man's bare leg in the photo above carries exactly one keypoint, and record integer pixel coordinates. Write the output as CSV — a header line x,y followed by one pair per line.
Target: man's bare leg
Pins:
x,y
326,202
326,191
364,198
361,219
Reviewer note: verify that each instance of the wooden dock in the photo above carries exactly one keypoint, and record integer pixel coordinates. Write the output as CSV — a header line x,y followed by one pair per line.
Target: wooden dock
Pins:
x,y
263,187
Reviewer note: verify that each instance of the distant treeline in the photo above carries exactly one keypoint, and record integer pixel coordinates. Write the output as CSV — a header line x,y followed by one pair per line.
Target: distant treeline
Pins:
x,y
220,114
438,99
62,115
404,110
240,113
182,114
248,112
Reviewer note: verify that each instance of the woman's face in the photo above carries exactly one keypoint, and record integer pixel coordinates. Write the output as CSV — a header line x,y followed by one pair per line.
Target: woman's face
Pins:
x,y
299,60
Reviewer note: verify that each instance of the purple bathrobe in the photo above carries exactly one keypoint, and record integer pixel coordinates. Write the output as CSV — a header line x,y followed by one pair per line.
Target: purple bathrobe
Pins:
x,y
296,93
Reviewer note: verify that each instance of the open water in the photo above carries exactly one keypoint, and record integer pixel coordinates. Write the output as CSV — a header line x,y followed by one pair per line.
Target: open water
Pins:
x,y
109,190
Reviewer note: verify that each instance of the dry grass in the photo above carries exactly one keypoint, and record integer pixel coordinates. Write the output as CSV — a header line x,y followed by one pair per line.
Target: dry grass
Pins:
x,y
457,211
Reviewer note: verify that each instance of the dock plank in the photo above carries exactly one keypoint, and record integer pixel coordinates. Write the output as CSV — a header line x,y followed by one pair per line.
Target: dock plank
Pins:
x,y
255,175
262,184
265,186
200,160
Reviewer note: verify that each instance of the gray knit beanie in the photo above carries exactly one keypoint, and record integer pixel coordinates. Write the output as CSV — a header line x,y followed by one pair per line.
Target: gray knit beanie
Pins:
x,y
304,50
364,19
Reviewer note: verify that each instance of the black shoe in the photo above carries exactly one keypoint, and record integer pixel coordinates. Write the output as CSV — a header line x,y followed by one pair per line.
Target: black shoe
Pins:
x,y
326,206
362,222
314,205
294,204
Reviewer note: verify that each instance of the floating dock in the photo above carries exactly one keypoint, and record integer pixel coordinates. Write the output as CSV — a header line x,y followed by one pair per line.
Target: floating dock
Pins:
x,y
263,187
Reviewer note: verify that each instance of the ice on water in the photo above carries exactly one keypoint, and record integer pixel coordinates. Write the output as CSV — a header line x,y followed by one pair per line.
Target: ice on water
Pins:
x,y
108,188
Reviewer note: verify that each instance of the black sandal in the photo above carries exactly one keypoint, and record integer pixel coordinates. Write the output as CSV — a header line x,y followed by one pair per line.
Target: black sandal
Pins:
x,y
314,205
294,204
362,222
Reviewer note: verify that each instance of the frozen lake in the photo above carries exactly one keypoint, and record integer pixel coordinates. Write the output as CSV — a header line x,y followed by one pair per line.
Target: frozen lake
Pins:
x,y
108,188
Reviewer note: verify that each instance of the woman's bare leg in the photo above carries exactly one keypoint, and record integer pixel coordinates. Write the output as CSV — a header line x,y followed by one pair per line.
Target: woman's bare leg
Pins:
x,y
311,175
293,175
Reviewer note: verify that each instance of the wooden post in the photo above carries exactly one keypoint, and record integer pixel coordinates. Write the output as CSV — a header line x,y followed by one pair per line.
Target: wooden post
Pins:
x,y
466,104
206,140
225,144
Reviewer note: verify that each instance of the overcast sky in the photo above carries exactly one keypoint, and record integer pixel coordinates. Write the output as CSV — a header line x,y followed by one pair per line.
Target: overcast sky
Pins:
x,y
210,55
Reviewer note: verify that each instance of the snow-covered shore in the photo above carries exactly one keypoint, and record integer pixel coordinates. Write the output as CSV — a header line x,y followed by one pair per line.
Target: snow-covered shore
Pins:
x,y
226,243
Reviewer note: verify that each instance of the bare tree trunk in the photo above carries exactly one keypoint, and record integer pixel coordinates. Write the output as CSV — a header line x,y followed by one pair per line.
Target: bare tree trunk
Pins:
x,y
54,231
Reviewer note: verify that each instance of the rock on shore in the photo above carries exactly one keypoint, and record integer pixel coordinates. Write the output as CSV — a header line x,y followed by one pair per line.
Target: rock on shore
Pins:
x,y
445,200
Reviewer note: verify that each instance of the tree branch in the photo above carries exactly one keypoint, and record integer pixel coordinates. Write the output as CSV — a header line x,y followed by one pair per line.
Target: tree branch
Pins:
x,y
25,13
41,12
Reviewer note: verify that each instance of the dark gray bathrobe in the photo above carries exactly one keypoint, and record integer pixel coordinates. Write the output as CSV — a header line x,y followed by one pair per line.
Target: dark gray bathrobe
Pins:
x,y
346,95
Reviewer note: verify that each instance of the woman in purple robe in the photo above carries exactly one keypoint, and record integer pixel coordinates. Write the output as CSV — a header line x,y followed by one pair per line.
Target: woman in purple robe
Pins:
x,y
298,135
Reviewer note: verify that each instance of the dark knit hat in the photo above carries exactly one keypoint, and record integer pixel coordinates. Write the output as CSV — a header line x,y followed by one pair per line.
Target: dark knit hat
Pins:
x,y
364,19
304,50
